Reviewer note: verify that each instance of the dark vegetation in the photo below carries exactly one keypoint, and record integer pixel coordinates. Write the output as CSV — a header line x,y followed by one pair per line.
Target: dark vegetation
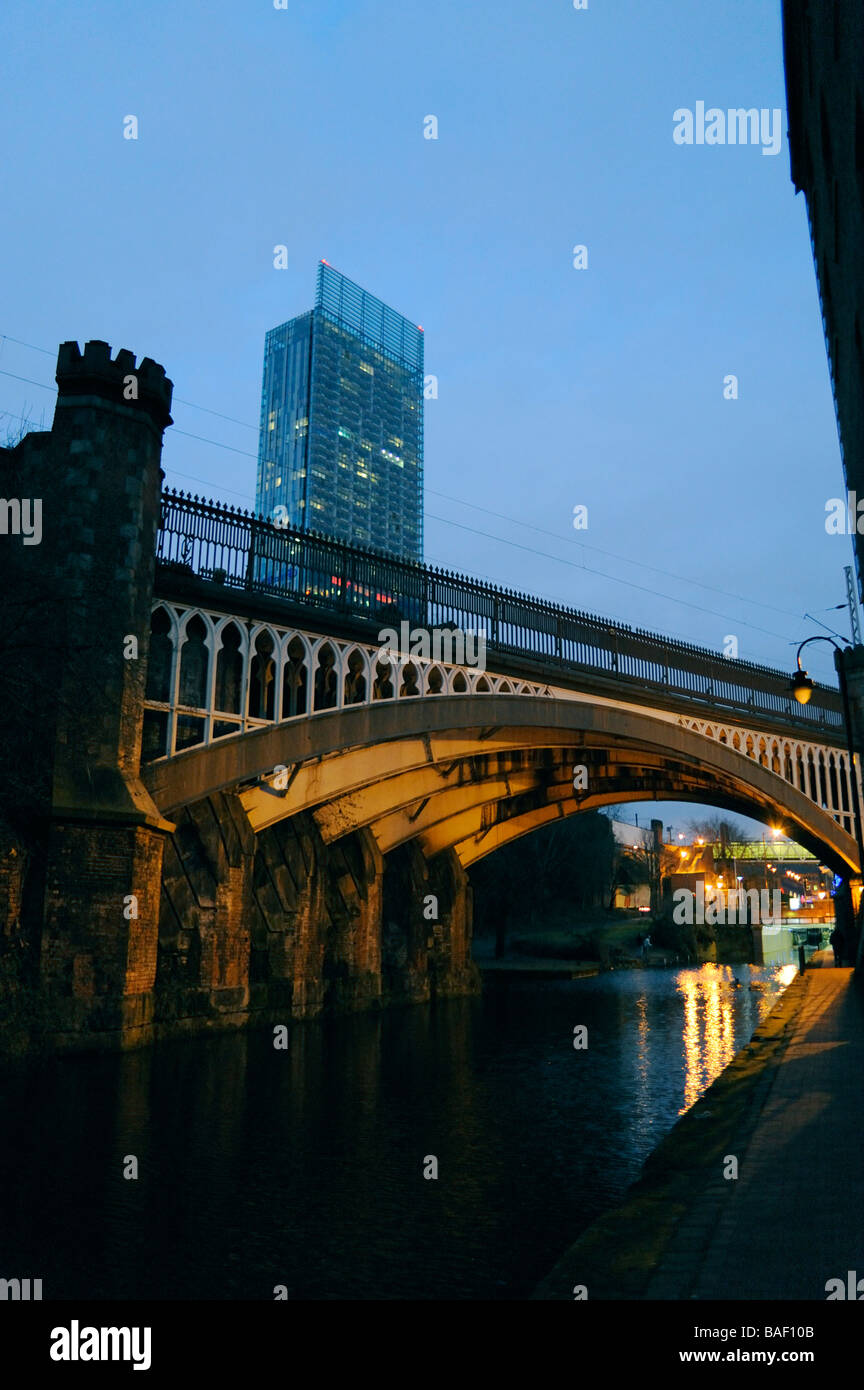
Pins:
x,y
550,893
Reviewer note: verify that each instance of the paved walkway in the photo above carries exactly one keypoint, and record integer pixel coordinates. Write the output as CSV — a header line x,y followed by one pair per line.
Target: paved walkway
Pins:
x,y
794,1218
825,959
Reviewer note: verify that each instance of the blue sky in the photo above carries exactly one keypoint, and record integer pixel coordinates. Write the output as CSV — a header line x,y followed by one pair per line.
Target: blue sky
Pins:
x,y
557,386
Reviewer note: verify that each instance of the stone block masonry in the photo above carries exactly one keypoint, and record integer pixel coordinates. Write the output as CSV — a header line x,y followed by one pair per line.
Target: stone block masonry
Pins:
x,y
98,954
263,930
72,806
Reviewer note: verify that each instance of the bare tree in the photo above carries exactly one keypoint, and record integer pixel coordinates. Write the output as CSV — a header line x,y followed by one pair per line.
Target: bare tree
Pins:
x,y
718,830
14,427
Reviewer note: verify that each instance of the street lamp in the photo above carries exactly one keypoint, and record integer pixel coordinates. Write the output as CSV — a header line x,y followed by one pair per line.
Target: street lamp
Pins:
x,y
802,685
802,689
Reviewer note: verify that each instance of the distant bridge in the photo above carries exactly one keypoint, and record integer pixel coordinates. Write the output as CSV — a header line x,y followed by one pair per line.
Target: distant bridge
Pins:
x,y
783,851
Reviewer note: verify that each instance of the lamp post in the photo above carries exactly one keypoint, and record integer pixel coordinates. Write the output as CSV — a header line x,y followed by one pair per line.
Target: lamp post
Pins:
x,y
802,689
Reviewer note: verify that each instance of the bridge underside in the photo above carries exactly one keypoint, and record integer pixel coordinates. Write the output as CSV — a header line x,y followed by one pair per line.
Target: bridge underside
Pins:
x,y
468,775
321,864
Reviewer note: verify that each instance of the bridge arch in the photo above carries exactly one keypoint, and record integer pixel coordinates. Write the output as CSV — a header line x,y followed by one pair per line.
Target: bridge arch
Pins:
x,y
356,761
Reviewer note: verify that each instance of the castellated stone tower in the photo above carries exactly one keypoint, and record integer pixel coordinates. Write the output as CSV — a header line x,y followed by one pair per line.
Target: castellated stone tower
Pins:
x,y
83,896
108,447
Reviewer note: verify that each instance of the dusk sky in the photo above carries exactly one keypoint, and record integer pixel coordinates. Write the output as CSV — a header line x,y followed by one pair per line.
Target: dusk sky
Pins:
x,y
603,386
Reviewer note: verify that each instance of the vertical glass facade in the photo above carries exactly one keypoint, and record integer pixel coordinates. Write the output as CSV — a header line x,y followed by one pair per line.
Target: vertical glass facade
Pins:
x,y
341,444
284,430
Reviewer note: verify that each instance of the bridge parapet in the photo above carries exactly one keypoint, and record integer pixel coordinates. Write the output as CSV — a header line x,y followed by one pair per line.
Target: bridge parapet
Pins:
x,y
822,771
243,553
215,675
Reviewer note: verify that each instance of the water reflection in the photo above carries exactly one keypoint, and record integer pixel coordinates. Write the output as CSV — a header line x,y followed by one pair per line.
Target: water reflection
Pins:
x,y
718,1000
304,1167
709,1042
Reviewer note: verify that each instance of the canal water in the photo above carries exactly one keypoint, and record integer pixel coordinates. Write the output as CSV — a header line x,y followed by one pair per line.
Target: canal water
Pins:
x,y
304,1167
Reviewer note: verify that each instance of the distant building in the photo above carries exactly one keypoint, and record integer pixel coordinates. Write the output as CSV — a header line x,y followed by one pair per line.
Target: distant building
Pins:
x,y
631,836
636,840
635,897
341,443
823,43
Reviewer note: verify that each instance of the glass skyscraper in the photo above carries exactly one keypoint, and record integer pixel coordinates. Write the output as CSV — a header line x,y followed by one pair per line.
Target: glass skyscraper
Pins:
x,y
341,444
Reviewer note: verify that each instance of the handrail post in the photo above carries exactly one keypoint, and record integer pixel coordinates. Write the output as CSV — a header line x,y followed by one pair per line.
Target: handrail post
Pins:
x,y
250,556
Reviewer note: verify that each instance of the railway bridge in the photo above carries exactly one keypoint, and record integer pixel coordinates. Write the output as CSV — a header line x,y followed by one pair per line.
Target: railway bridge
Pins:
x,y
261,762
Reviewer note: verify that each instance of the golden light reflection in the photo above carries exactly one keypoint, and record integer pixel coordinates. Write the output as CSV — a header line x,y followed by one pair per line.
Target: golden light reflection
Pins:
x,y
711,1001
643,1095
642,1029
708,1039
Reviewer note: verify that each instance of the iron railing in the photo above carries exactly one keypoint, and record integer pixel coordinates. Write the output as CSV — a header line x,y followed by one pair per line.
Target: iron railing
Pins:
x,y
243,551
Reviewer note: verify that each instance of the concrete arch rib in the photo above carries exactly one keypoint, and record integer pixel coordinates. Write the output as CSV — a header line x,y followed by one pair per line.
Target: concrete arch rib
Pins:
x,y
342,751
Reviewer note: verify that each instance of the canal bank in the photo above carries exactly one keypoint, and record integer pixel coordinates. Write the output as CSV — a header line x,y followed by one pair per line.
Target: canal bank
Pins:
x,y
785,1115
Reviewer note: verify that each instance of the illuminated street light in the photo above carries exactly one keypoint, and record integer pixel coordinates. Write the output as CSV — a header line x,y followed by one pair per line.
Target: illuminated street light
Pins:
x,y
802,685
